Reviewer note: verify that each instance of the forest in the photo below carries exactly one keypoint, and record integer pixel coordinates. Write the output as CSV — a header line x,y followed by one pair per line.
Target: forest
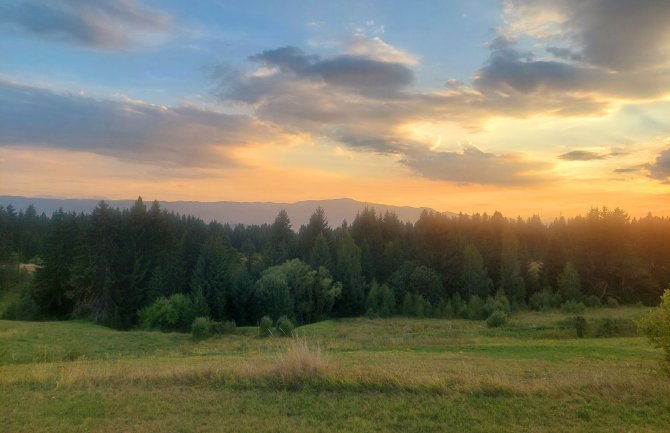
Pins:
x,y
146,267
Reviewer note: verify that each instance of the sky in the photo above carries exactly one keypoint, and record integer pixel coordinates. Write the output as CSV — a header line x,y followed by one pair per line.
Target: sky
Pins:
x,y
546,107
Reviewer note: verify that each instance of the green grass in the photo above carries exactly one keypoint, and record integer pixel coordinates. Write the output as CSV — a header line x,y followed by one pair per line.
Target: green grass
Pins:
x,y
391,375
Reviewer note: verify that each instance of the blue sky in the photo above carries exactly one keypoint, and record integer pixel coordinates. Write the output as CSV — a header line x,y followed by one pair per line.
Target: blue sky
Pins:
x,y
520,105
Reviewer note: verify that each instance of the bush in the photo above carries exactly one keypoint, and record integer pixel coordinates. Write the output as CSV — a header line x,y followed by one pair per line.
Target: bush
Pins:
x,y
611,302
227,327
497,303
579,323
201,328
544,300
615,327
592,301
175,313
496,319
23,308
476,308
573,307
285,327
265,327
656,326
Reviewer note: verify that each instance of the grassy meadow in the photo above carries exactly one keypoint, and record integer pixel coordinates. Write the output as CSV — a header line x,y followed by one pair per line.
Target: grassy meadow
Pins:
x,y
357,375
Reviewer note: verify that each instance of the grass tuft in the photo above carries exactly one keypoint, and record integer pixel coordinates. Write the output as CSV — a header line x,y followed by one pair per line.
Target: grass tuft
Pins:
x,y
300,364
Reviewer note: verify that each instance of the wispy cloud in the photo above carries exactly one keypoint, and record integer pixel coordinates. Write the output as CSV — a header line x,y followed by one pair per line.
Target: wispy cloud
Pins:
x,y
582,155
97,24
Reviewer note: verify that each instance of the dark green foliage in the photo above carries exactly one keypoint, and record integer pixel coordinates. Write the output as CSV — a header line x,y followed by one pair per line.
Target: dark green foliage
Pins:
x,y
273,296
426,282
499,302
545,300
592,301
569,285
381,301
416,306
475,279
320,254
611,302
614,327
201,328
24,308
265,327
225,327
573,307
496,319
175,313
285,327
349,273
511,281
579,323
212,277
280,245
656,326
475,309
296,290
110,264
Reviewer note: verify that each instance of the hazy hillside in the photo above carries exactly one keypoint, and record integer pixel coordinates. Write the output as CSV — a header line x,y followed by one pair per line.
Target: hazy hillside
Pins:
x,y
231,212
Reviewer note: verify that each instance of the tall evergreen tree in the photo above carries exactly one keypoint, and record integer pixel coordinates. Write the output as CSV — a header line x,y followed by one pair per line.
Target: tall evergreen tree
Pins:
x,y
511,281
474,278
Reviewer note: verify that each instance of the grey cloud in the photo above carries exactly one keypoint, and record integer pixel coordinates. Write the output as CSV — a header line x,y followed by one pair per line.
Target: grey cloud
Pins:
x,y
509,70
472,166
621,35
565,54
99,24
581,155
519,75
660,168
182,135
361,73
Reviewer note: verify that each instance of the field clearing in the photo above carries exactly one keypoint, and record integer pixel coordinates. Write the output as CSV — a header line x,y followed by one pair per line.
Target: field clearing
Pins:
x,y
399,374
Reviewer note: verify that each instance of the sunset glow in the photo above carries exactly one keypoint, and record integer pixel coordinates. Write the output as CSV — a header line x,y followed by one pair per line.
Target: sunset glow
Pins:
x,y
524,107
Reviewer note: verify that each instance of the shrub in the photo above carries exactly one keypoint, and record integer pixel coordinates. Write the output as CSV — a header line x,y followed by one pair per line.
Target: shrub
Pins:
x,y
265,327
476,308
592,301
579,323
175,313
497,303
573,307
656,325
227,327
23,308
285,326
611,302
496,319
201,328
544,300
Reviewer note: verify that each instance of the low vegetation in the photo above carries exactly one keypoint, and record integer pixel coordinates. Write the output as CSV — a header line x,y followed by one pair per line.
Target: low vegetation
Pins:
x,y
398,374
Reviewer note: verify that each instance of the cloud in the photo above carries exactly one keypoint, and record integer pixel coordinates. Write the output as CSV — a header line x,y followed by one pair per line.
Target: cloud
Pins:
x,y
582,155
131,130
360,73
472,166
616,35
660,168
375,48
98,24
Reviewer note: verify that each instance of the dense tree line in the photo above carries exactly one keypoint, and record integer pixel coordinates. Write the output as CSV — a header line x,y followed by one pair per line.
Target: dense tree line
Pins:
x,y
117,266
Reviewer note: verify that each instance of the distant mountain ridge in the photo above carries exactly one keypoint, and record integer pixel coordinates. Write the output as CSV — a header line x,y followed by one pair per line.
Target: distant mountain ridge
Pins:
x,y
231,212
